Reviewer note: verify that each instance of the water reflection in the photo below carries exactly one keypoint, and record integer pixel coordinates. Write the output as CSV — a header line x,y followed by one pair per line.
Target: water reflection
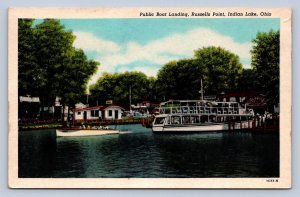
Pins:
x,y
36,153
139,153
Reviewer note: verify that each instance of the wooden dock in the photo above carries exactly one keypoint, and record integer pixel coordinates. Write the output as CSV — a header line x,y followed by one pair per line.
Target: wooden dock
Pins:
x,y
257,124
147,122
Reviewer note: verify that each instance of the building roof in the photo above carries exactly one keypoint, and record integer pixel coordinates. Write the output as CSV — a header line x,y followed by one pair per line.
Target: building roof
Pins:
x,y
88,108
250,93
149,102
29,99
114,106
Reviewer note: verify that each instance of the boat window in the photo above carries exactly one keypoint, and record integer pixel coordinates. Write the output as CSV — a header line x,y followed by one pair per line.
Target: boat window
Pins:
x,y
185,109
204,119
175,120
167,110
192,104
159,120
195,119
79,113
213,110
168,120
186,119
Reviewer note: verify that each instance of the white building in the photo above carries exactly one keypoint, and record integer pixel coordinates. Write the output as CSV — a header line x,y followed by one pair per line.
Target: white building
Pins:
x,y
112,112
88,113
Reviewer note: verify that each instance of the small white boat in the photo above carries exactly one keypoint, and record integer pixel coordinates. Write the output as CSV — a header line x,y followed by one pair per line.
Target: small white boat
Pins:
x,y
84,132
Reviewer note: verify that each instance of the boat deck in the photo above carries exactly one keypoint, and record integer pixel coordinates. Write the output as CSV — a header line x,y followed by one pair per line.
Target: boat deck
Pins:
x,y
84,132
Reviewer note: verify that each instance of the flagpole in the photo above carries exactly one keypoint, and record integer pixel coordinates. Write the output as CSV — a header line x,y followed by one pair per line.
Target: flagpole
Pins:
x,y
130,98
201,91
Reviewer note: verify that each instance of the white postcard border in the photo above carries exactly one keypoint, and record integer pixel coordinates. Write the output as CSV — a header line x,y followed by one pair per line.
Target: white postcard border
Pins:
x,y
285,104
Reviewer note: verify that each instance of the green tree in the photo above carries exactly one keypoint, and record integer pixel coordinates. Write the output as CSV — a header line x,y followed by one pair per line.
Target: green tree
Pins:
x,y
248,80
116,87
223,68
265,62
167,80
53,46
218,68
152,91
137,81
104,88
49,65
31,78
181,79
75,75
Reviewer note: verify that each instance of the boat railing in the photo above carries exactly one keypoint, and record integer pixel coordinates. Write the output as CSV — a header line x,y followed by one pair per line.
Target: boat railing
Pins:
x,y
205,110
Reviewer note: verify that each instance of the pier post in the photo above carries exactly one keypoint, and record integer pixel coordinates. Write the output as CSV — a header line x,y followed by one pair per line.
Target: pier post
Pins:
x,y
260,121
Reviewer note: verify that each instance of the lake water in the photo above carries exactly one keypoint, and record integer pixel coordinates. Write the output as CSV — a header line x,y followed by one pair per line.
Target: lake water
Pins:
x,y
139,153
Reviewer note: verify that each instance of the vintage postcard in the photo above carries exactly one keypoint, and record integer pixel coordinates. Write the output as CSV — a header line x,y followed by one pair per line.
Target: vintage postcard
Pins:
x,y
149,97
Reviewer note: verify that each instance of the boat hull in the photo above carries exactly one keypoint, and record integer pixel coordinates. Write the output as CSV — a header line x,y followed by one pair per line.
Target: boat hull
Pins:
x,y
85,132
201,127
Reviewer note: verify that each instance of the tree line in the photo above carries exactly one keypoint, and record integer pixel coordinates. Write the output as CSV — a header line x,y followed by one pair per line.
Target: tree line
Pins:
x,y
49,66
219,69
118,86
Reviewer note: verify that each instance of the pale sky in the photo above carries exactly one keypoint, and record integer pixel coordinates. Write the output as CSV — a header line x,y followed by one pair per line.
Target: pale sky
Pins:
x,y
147,44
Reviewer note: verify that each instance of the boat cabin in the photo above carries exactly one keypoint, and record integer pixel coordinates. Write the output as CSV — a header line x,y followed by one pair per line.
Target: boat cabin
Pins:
x,y
181,119
188,112
201,107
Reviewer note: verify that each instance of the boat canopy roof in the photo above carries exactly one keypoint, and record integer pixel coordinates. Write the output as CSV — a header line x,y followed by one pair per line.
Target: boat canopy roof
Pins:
x,y
193,102
161,116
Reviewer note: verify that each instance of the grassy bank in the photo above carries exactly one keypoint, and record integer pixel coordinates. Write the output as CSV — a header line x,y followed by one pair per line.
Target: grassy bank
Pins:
x,y
54,125
32,126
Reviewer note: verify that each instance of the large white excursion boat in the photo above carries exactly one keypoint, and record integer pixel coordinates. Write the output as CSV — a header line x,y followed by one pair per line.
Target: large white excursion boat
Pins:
x,y
201,116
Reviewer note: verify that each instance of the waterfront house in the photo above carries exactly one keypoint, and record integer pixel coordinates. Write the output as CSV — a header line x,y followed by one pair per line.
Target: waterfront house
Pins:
x,y
255,100
88,113
112,112
109,112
